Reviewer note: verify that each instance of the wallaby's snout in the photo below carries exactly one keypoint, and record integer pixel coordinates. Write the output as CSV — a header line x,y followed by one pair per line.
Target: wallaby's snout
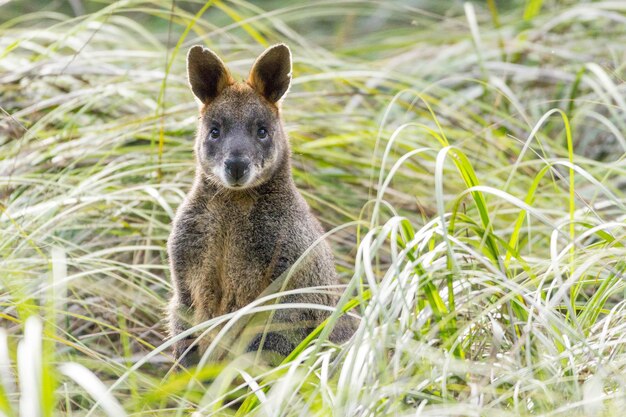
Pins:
x,y
237,169
240,138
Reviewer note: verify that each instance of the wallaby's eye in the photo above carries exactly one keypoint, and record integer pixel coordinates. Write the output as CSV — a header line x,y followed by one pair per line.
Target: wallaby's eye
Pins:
x,y
262,133
215,133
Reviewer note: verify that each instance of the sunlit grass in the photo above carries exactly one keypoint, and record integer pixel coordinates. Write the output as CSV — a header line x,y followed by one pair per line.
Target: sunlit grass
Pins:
x,y
468,163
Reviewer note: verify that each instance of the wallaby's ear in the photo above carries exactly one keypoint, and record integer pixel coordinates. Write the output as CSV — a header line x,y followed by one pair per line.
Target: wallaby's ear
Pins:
x,y
271,73
207,74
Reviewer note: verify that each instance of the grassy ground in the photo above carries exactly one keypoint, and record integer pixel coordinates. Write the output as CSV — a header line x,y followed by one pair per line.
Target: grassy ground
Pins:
x,y
468,159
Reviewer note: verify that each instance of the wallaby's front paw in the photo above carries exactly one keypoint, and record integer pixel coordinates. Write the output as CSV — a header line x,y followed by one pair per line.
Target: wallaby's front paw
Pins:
x,y
185,353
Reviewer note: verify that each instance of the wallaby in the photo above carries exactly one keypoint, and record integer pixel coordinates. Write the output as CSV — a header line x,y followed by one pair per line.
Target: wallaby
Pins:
x,y
244,223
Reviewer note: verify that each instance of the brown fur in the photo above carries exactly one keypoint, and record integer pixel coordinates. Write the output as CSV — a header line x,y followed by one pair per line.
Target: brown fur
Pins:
x,y
231,241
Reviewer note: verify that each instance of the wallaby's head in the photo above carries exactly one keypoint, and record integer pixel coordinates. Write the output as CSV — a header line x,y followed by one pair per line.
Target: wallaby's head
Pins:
x,y
240,141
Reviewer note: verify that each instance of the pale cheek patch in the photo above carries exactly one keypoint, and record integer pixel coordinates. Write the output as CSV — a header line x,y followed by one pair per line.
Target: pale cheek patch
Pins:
x,y
252,175
261,170
271,161
219,173
214,171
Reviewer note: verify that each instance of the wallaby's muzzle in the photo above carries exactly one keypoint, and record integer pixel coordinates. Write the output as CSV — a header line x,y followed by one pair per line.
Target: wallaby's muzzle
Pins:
x,y
237,170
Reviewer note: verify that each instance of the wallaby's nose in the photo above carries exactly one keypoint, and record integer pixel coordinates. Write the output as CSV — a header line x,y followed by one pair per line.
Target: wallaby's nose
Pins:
x,y
237,168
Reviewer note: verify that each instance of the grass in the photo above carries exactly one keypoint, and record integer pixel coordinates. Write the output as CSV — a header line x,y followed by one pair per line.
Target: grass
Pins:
x,y
467,161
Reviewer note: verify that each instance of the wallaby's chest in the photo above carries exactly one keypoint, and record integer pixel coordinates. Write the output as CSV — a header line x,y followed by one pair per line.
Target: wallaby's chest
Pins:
x,y
242,254
239,236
